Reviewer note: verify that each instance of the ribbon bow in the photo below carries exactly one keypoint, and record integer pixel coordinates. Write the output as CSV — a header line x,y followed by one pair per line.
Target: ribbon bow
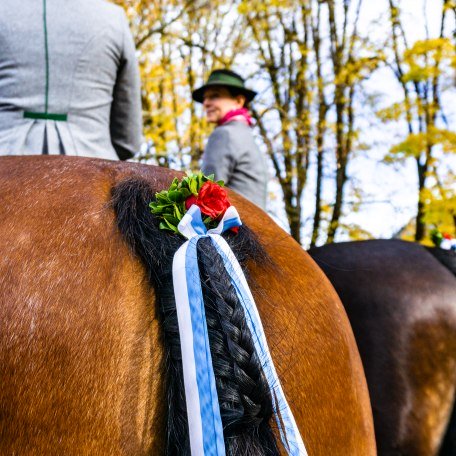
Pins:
x,y
203,411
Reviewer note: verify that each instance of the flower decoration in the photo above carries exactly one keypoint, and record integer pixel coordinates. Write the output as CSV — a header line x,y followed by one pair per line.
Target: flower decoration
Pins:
x,y
436,237
172,204
443,240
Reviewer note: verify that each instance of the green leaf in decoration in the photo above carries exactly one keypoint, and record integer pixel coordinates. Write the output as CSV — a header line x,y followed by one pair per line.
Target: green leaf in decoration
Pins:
x,y
174,221
174,184
170,226
164,226
175,196
177,213
169,205
162,198
193,185
185,192
200,180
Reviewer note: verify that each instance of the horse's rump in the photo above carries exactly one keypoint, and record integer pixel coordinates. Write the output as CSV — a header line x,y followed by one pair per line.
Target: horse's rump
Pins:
x,y
446,257
401,303
80,344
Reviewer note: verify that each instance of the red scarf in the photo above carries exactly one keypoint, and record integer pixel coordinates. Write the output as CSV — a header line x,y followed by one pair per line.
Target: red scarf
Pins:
x,y
236,114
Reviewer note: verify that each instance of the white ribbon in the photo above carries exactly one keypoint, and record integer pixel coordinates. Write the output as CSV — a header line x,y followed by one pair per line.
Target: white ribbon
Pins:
x,y
203,411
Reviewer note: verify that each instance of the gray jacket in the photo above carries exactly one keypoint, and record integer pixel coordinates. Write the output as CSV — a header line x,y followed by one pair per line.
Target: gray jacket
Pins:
x,y
69,80
233,156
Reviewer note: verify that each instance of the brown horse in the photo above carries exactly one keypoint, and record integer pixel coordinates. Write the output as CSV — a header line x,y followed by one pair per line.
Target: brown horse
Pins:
x,y
81,348
401,303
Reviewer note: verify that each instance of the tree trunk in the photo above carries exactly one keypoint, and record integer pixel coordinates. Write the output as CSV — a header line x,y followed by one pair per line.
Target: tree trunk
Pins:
x,y
420,231
294,219
321,129
317,215
341,160
341,178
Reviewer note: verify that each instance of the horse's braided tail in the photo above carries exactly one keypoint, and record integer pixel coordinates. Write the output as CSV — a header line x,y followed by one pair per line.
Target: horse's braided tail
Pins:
x,y
243,392
242,388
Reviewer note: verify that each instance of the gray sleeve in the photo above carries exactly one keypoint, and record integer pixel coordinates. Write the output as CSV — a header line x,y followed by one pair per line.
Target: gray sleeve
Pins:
x,y
126,116
219,156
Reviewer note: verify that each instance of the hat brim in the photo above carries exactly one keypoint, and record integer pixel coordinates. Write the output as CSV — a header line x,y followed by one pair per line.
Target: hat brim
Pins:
x,y
198,94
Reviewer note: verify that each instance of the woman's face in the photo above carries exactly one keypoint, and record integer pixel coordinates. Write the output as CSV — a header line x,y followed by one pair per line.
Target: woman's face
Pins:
x,y
217,101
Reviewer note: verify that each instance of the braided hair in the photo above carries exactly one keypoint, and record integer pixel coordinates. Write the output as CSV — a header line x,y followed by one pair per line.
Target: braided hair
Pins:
x,y
243,392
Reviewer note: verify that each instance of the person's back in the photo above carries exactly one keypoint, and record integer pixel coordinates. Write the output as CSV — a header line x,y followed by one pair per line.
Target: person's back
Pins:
x,y
232,155
69,81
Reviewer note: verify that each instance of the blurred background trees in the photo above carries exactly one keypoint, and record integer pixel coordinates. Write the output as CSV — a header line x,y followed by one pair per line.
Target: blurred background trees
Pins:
x,y
320,109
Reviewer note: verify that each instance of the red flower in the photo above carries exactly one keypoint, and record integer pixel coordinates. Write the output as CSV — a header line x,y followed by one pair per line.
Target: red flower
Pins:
x,y
212,200
190,201
447,236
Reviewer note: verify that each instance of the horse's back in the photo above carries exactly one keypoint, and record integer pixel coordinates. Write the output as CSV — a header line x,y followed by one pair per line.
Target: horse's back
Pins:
x,y
401,303
80,353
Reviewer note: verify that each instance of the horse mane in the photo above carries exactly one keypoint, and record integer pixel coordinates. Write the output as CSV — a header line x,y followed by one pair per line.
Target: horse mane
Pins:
x,y
244,396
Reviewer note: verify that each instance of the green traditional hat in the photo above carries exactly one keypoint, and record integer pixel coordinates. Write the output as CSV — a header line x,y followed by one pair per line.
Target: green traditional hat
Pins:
x,y
224,78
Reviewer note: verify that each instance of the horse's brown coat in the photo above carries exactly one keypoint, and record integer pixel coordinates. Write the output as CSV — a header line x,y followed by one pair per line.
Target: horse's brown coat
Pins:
x,y
80,351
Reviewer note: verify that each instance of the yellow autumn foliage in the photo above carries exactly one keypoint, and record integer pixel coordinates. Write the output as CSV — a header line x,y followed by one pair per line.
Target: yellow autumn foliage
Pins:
x,y
178,44
394,112
441,208
417,143
273,42
426,57
358,69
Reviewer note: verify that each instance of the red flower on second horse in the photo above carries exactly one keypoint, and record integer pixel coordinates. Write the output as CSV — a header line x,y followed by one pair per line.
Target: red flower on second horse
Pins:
x,y
212,200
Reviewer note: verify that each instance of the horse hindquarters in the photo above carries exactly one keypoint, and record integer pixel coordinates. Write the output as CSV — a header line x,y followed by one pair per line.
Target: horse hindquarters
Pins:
x,y
401,304
312,344
310,340
81,357
448,448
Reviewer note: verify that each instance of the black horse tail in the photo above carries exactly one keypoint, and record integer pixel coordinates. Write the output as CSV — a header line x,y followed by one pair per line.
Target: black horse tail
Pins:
x,y
243,392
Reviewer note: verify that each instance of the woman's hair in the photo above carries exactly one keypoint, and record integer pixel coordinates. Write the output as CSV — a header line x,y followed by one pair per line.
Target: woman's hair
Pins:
x,y
234,92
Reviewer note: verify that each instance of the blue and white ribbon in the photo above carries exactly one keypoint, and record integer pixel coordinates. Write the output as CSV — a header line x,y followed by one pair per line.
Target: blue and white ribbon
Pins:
x,y
203,411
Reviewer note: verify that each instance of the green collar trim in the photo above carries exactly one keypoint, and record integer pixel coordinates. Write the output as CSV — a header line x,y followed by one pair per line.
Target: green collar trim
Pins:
x,y
46,116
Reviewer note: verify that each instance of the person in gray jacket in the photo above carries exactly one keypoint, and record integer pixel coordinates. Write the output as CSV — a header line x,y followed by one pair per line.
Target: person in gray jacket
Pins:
x,y
69,80
231,153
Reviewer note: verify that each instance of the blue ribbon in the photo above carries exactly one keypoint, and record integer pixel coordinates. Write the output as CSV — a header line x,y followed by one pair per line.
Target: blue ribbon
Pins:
x,y
203,410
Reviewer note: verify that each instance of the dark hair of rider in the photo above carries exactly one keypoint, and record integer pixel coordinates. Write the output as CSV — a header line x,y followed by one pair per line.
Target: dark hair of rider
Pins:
x,y
234,92
244,397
